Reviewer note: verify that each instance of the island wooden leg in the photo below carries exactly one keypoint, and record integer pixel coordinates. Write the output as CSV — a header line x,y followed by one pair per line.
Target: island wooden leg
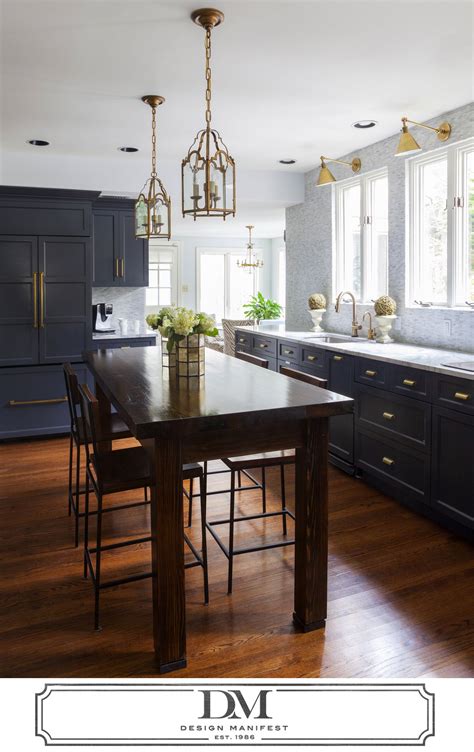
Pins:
x,y
311,531
167,547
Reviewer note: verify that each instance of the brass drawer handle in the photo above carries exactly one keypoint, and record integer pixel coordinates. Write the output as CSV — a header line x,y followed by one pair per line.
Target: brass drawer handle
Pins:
x,y
122,272
312,357
388,416
462,396
117,273
23,403
35,300
409,382
263,345
388,461
41,289
371,373
337,357
288,352
241,339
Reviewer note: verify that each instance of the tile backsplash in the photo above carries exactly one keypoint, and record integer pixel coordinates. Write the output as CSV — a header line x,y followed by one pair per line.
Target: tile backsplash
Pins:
x,y
128,302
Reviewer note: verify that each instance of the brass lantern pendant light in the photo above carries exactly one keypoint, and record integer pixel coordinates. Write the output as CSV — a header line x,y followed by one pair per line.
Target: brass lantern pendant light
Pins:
x,y
208,170
251,262
153,205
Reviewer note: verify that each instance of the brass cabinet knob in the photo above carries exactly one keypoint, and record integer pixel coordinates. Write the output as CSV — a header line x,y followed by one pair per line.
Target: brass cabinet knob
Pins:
x,y
371,373
337,357
312,357
388,461
462,396
388,416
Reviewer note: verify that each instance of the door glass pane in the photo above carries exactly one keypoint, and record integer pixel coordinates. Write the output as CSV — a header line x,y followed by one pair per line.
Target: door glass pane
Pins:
x,y
351,266
165,275
377,256
433,231
151,296
212,283
164,296
241,288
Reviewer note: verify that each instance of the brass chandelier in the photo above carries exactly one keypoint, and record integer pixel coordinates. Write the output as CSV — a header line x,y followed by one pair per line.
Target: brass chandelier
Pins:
x,y
251,261
208,170
153,205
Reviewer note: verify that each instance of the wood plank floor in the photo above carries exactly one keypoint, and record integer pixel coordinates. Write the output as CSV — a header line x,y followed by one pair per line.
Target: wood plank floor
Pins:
x,y
401,589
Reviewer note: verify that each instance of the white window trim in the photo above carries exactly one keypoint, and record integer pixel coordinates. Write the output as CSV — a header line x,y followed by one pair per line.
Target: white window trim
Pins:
x,y
177,244
219,251
456,263
365,251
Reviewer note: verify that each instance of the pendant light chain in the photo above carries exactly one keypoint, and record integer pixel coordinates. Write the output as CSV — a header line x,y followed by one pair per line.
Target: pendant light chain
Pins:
x,y
207,45
153,142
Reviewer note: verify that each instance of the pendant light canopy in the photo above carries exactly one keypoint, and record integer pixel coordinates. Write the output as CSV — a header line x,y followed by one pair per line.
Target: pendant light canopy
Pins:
x,y
251,261
208,170
153,205
408,145
325,175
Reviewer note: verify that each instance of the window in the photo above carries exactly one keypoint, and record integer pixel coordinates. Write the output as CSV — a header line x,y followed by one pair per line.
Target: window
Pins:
x,y
282,278
162,285
440,222
361,236
223,288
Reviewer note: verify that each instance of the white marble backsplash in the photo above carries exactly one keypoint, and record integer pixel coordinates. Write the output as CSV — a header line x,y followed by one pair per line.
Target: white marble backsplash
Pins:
x,y
309,228
128,303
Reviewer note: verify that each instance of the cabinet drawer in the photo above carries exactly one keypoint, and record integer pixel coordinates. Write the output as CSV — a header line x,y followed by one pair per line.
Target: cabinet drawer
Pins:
x,y
243,341
314,359
371,372
407,471
410,381
261,344
32,400
455,393
288,351
398,417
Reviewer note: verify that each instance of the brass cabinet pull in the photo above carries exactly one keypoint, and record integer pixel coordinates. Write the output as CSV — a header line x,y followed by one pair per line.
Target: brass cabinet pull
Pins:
x,y
409,382
312,357
288,352
23,403
262,344
41,287
462,396
241,339
371,373
388,461
337,357
122,268
35,300
117,273
388,416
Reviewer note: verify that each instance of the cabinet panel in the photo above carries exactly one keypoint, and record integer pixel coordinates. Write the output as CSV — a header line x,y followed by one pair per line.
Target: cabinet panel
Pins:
x,y
133,253
264,346
289,351
315,359
34,386
410,382
455,393
399,417
44,217
368,371
453,466
18,300
105,244
65,299
243,341
341,427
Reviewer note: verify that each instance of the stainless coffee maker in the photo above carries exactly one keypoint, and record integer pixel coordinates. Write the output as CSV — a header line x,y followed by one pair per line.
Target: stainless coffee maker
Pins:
x,y
101,313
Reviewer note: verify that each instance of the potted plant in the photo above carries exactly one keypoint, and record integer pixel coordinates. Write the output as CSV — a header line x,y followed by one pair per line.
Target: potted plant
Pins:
x,y
184,330
260,308
316,308
385,308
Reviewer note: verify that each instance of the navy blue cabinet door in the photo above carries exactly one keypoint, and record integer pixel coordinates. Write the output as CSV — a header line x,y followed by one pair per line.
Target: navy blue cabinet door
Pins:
x,y
105,248
341,428
64,298
133,253
452,465
18,300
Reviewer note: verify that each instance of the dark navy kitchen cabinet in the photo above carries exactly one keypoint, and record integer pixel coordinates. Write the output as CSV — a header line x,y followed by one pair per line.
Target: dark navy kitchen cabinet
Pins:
x,y
453,466
119,258
341,427
19,341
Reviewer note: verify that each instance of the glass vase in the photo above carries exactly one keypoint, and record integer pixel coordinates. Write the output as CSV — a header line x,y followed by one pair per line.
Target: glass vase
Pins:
x,y
168,359
190,360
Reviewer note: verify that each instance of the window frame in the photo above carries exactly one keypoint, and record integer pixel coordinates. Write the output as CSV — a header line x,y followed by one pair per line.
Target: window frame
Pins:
x,y
457,284
175,246
229,254
367,268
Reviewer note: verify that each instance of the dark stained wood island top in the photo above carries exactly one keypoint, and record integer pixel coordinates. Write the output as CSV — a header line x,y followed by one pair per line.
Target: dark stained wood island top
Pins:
x,y
236,408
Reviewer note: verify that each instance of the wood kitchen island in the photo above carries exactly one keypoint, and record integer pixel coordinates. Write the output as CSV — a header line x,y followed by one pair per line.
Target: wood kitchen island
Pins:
x,y
235,409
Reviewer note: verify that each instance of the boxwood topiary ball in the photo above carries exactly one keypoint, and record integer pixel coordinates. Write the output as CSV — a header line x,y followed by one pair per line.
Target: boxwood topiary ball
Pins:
x,y
385,306
317,301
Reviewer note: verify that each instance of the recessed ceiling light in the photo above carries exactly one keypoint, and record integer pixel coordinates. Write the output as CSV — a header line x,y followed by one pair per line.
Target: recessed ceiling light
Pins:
x,y
287,161
128,149
38,142
365,124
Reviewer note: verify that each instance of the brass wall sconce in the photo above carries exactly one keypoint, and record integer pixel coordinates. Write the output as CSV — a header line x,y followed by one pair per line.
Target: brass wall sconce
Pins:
x,y
325,175
408,145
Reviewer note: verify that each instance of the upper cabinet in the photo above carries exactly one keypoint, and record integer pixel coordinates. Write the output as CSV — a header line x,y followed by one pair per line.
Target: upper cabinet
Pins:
x,y
120,259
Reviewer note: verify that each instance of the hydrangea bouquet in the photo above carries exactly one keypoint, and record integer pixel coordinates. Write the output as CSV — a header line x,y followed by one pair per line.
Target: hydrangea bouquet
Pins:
x,y
175,324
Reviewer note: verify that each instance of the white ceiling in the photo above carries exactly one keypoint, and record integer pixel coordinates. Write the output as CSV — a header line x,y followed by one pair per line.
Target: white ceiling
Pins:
x,y
289,78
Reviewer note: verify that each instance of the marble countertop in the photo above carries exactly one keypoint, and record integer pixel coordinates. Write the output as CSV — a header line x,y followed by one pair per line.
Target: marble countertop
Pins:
x,y
117,335
425,358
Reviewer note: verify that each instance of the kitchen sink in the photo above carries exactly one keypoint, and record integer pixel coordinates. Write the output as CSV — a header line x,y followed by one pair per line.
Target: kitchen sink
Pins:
x,y
335,338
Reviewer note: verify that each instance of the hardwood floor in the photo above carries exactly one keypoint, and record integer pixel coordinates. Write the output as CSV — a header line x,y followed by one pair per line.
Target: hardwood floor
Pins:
x,y
401,589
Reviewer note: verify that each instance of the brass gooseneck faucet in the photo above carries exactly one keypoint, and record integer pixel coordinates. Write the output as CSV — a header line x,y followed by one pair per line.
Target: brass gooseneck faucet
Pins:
x,y
356,327
370,330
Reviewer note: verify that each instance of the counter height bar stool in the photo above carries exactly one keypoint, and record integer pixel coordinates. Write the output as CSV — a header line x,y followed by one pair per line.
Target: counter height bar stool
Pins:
x,y
260,461
111,428
110,472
